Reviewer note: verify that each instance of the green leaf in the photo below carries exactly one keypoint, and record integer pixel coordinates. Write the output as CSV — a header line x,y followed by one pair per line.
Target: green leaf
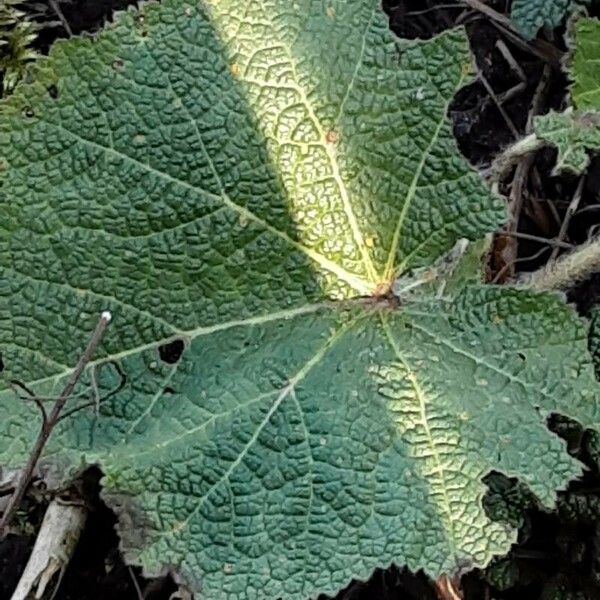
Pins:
x,y
531,15
573,133
577,130
584,72
244,187
259,464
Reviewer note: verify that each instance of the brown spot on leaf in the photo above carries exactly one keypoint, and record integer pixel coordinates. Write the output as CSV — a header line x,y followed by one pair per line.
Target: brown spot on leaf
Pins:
x,y
332,136
466,69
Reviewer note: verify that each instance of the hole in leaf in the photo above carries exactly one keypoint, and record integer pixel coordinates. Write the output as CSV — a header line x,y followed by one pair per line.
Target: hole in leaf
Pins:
x,y
168,390
1,363
522,356
569,430
171,352
53,92
28,112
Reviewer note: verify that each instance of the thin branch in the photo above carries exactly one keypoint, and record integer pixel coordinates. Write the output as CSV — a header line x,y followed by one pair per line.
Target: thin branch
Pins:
x,y
97,400
589,208
507,266
544,50
571,210
494,15
136,585
50,423
516,197
509,122
510,59
414,13
38,401
592,231
61,17
542,240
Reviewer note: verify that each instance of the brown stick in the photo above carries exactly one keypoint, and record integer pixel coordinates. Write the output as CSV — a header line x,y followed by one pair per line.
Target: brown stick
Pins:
x,y
448,588
516,197
571,210
50,422
541,48
489,12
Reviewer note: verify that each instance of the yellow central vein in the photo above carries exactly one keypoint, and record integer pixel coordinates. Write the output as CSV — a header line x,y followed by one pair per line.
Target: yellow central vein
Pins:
x,y
420,396
330,152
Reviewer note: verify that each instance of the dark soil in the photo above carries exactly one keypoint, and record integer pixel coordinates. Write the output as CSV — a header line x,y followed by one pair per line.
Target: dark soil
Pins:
x,y
558,555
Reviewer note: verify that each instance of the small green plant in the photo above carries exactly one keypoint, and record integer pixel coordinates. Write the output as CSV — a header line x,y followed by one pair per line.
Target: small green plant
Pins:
x,y
17,34
529,16
576,131
305,378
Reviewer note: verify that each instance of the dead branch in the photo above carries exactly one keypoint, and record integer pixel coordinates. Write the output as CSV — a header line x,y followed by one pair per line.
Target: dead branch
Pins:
x,y
54,546
50,422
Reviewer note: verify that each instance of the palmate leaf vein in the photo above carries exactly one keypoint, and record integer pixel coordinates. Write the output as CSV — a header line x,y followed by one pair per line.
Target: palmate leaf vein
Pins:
x,y
287,391
191,334
104,297
478,360
391,269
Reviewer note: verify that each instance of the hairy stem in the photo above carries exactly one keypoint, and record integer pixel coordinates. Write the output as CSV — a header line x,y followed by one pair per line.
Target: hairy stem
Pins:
x,y
567,270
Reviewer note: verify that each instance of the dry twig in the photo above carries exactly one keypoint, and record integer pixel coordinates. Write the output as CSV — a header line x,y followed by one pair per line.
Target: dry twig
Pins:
x,y
540,48
136,585
59,13
571,210
516,197
554,243
50,421
54,546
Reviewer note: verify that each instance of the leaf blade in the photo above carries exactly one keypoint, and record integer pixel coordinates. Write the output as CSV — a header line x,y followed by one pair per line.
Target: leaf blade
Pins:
x,y
166,181
576,131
